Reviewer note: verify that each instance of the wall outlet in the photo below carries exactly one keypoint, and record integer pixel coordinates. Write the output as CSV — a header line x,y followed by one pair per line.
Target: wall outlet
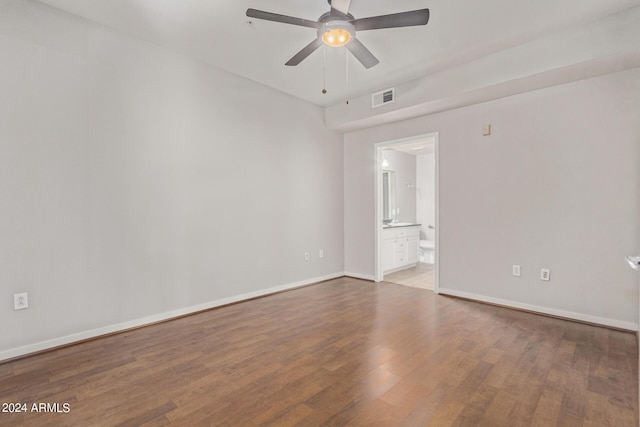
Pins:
x,y
515,270
545,274
321,253
20,301
307,256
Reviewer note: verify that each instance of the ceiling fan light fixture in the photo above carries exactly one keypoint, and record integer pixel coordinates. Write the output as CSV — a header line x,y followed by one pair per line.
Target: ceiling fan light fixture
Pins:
x,y
336,37
338,28
336,34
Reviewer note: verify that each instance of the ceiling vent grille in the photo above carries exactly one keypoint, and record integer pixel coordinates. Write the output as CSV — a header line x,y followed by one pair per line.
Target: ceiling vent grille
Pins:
x,y
383,97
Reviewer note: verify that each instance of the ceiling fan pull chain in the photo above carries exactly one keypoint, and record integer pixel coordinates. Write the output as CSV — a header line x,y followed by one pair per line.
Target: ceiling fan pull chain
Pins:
x,y
324,69
346,51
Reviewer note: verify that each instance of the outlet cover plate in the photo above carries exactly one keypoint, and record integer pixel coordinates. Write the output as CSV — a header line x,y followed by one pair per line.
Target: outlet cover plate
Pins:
x,y
545,274
515,270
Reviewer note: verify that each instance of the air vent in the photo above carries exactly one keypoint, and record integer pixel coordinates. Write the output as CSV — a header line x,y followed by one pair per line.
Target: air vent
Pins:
x,y
383,97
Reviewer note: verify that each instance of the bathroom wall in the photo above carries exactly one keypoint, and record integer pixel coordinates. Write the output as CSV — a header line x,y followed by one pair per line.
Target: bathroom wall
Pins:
x,y
555,186
137,184
404,166
426,194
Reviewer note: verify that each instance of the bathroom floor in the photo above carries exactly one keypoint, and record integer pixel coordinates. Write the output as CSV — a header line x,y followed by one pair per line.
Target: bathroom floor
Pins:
x,y
420,276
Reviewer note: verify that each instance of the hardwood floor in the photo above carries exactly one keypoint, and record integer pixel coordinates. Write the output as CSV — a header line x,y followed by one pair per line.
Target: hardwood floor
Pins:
x,y
420,276
344,352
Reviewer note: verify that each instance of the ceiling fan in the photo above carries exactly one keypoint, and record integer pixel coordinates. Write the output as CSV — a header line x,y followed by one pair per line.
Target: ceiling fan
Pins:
x,y
338,28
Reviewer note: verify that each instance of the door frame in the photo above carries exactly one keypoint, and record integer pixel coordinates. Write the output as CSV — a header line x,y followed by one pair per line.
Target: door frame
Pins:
x,y
378,148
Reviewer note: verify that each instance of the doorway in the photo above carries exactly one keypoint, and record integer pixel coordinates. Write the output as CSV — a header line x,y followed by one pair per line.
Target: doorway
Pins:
x,y
401,192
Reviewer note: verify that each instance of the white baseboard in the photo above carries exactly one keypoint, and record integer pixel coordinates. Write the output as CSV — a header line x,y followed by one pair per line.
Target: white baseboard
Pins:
x,y
360,276
93,333
613,323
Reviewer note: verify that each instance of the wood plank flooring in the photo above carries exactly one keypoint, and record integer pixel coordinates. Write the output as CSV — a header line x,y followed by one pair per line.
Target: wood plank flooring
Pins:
x,y
343,352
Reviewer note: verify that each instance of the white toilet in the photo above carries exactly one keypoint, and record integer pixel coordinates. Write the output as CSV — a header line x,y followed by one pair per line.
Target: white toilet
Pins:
x,y
427,251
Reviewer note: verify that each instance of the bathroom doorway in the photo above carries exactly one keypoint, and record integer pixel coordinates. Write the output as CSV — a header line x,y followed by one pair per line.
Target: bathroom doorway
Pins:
x,y
406,211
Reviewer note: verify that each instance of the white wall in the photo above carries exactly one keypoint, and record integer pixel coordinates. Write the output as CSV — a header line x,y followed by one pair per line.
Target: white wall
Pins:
x,y
556,186
136,182
404,165
426,194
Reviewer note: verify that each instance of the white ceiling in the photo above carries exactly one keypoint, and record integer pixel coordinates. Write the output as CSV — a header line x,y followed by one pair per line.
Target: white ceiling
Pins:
x,y
218,32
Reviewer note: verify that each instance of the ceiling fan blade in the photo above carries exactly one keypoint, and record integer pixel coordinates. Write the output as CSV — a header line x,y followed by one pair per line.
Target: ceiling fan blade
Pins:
x,y
361,53
394,20
275,17
341,6
306,51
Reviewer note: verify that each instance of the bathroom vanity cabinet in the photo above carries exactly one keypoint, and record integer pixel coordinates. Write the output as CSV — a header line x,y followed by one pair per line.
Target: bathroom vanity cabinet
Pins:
x,y
400,247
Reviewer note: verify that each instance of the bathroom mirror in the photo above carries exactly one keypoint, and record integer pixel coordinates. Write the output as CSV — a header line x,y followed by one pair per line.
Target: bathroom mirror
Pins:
x,y
388,195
